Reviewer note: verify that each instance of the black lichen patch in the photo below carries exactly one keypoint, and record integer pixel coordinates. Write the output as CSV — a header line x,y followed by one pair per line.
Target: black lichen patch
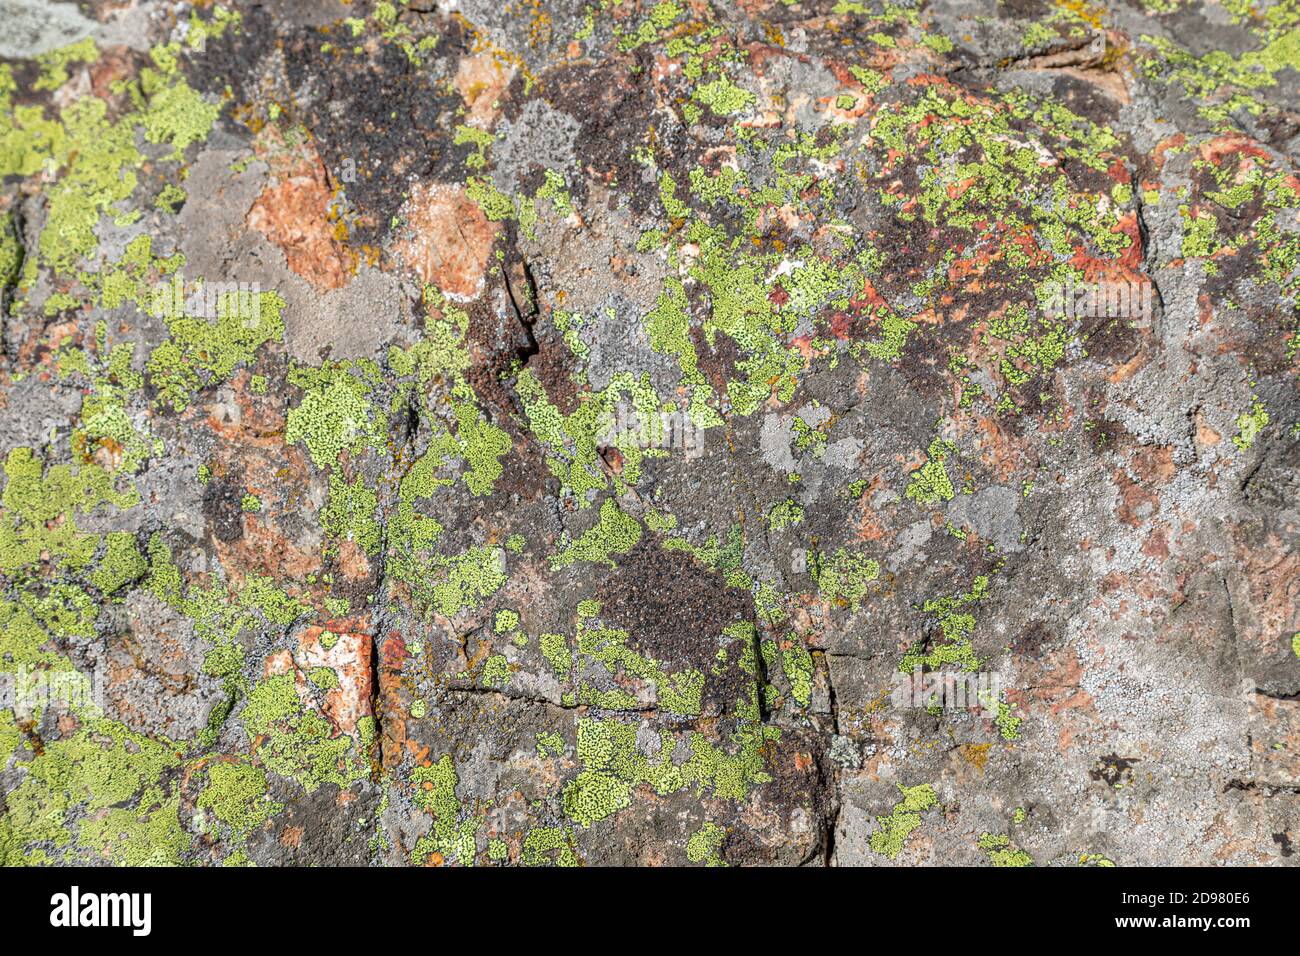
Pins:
x,y
237,61
613,108
673,608
1031,641
802,784
1113,769
223,508
379,114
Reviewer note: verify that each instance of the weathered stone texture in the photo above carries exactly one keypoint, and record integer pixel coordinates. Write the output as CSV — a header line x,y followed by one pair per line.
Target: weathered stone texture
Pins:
x,y
578,432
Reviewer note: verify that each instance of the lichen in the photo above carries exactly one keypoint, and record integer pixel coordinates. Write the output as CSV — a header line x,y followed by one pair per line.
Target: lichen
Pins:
x,y
930,483
1250,424
616,532
1001,852
236,795
894,828
705,844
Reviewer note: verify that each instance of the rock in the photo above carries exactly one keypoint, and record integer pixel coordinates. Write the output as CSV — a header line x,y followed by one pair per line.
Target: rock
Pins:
x,y
671,434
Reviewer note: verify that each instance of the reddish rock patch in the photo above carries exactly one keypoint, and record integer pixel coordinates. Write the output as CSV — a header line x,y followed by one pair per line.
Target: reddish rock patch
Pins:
x,y
450,242
293,213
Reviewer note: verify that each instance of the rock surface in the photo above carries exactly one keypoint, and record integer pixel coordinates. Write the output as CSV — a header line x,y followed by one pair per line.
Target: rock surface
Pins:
x,y
587,432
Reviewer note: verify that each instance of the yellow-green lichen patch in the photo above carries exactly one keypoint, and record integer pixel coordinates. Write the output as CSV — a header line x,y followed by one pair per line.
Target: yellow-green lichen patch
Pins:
x,y
797,663
614,764
845,577
454,833
172,113
930,483
1219,82
335,413
549,846
616,532
555,648
894,828
325,678
1095,859
1250,424
94,159
108,779
1007,723
122,563
350,514
1001,852
723,97
40,508
676,692
107,433
956,624
549,744
199,352
296,742
462,581
476,442
236,796
496,671
784,514
705,845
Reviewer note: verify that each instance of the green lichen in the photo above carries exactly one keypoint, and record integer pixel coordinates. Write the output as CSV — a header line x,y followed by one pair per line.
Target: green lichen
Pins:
x,y
94,159
549,744
476,442
616,532
453,583
335,415
784,514
555,649
326,678
454,832
41,507
496,671
1218,81
236,795
1001,853
845,577
121,565
1007,723
296,742
894,828
705,845
797,664
1250,424
350,514
677,691
613,764
956,624
549,845
94,797
930,483
173,113
1199,233
723,97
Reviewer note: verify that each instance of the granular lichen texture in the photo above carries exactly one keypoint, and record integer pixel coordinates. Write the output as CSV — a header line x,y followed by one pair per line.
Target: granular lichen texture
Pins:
x,y
608,432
